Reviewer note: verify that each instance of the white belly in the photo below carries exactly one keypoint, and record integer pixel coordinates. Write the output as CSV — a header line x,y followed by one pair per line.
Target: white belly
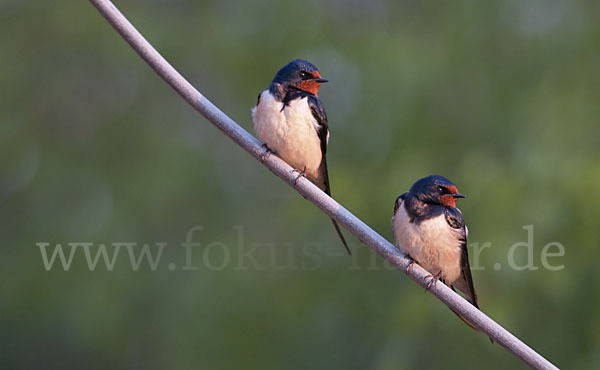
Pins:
x,y
432,243
291,133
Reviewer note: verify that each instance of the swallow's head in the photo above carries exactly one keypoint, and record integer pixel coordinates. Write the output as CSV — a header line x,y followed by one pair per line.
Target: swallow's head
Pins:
x,y
300,74
436,190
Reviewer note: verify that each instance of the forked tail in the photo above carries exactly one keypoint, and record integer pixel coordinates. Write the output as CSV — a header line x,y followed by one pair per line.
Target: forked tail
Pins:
x,y
337,228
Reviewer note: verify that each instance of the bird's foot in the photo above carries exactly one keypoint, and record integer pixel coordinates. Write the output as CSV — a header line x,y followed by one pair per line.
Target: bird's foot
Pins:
x,y
300,174
433,279
410,264
266,154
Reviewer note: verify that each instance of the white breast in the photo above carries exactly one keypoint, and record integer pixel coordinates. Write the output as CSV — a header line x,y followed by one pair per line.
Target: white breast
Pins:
x,y
291,133
432,243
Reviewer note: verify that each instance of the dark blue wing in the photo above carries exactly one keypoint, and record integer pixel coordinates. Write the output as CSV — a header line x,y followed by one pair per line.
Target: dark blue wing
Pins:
x,y
318,112
465,282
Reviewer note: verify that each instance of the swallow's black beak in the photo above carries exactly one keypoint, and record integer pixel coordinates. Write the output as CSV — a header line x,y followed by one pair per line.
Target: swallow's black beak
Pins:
x,y
321,80
458,195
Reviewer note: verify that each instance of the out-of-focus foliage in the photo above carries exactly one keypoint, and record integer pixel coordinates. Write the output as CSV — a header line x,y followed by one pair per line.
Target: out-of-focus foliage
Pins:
x,y
502,97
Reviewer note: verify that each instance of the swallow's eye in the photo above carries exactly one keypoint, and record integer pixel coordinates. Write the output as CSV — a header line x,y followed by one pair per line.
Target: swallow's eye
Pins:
x,y
304,74
441,189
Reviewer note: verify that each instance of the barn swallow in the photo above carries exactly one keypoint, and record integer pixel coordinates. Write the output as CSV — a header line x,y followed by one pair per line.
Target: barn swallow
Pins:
x,y
431,231
290,120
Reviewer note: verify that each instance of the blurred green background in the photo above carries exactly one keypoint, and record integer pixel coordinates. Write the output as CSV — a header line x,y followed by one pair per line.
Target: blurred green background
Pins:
x,y
502,97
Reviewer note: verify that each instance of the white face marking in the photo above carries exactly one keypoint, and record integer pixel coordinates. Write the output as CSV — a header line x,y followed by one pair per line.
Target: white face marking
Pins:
x,y
291,133
432,243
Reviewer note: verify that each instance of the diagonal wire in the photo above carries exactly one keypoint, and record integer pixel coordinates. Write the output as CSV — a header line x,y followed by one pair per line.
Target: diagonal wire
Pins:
x,y
311,192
